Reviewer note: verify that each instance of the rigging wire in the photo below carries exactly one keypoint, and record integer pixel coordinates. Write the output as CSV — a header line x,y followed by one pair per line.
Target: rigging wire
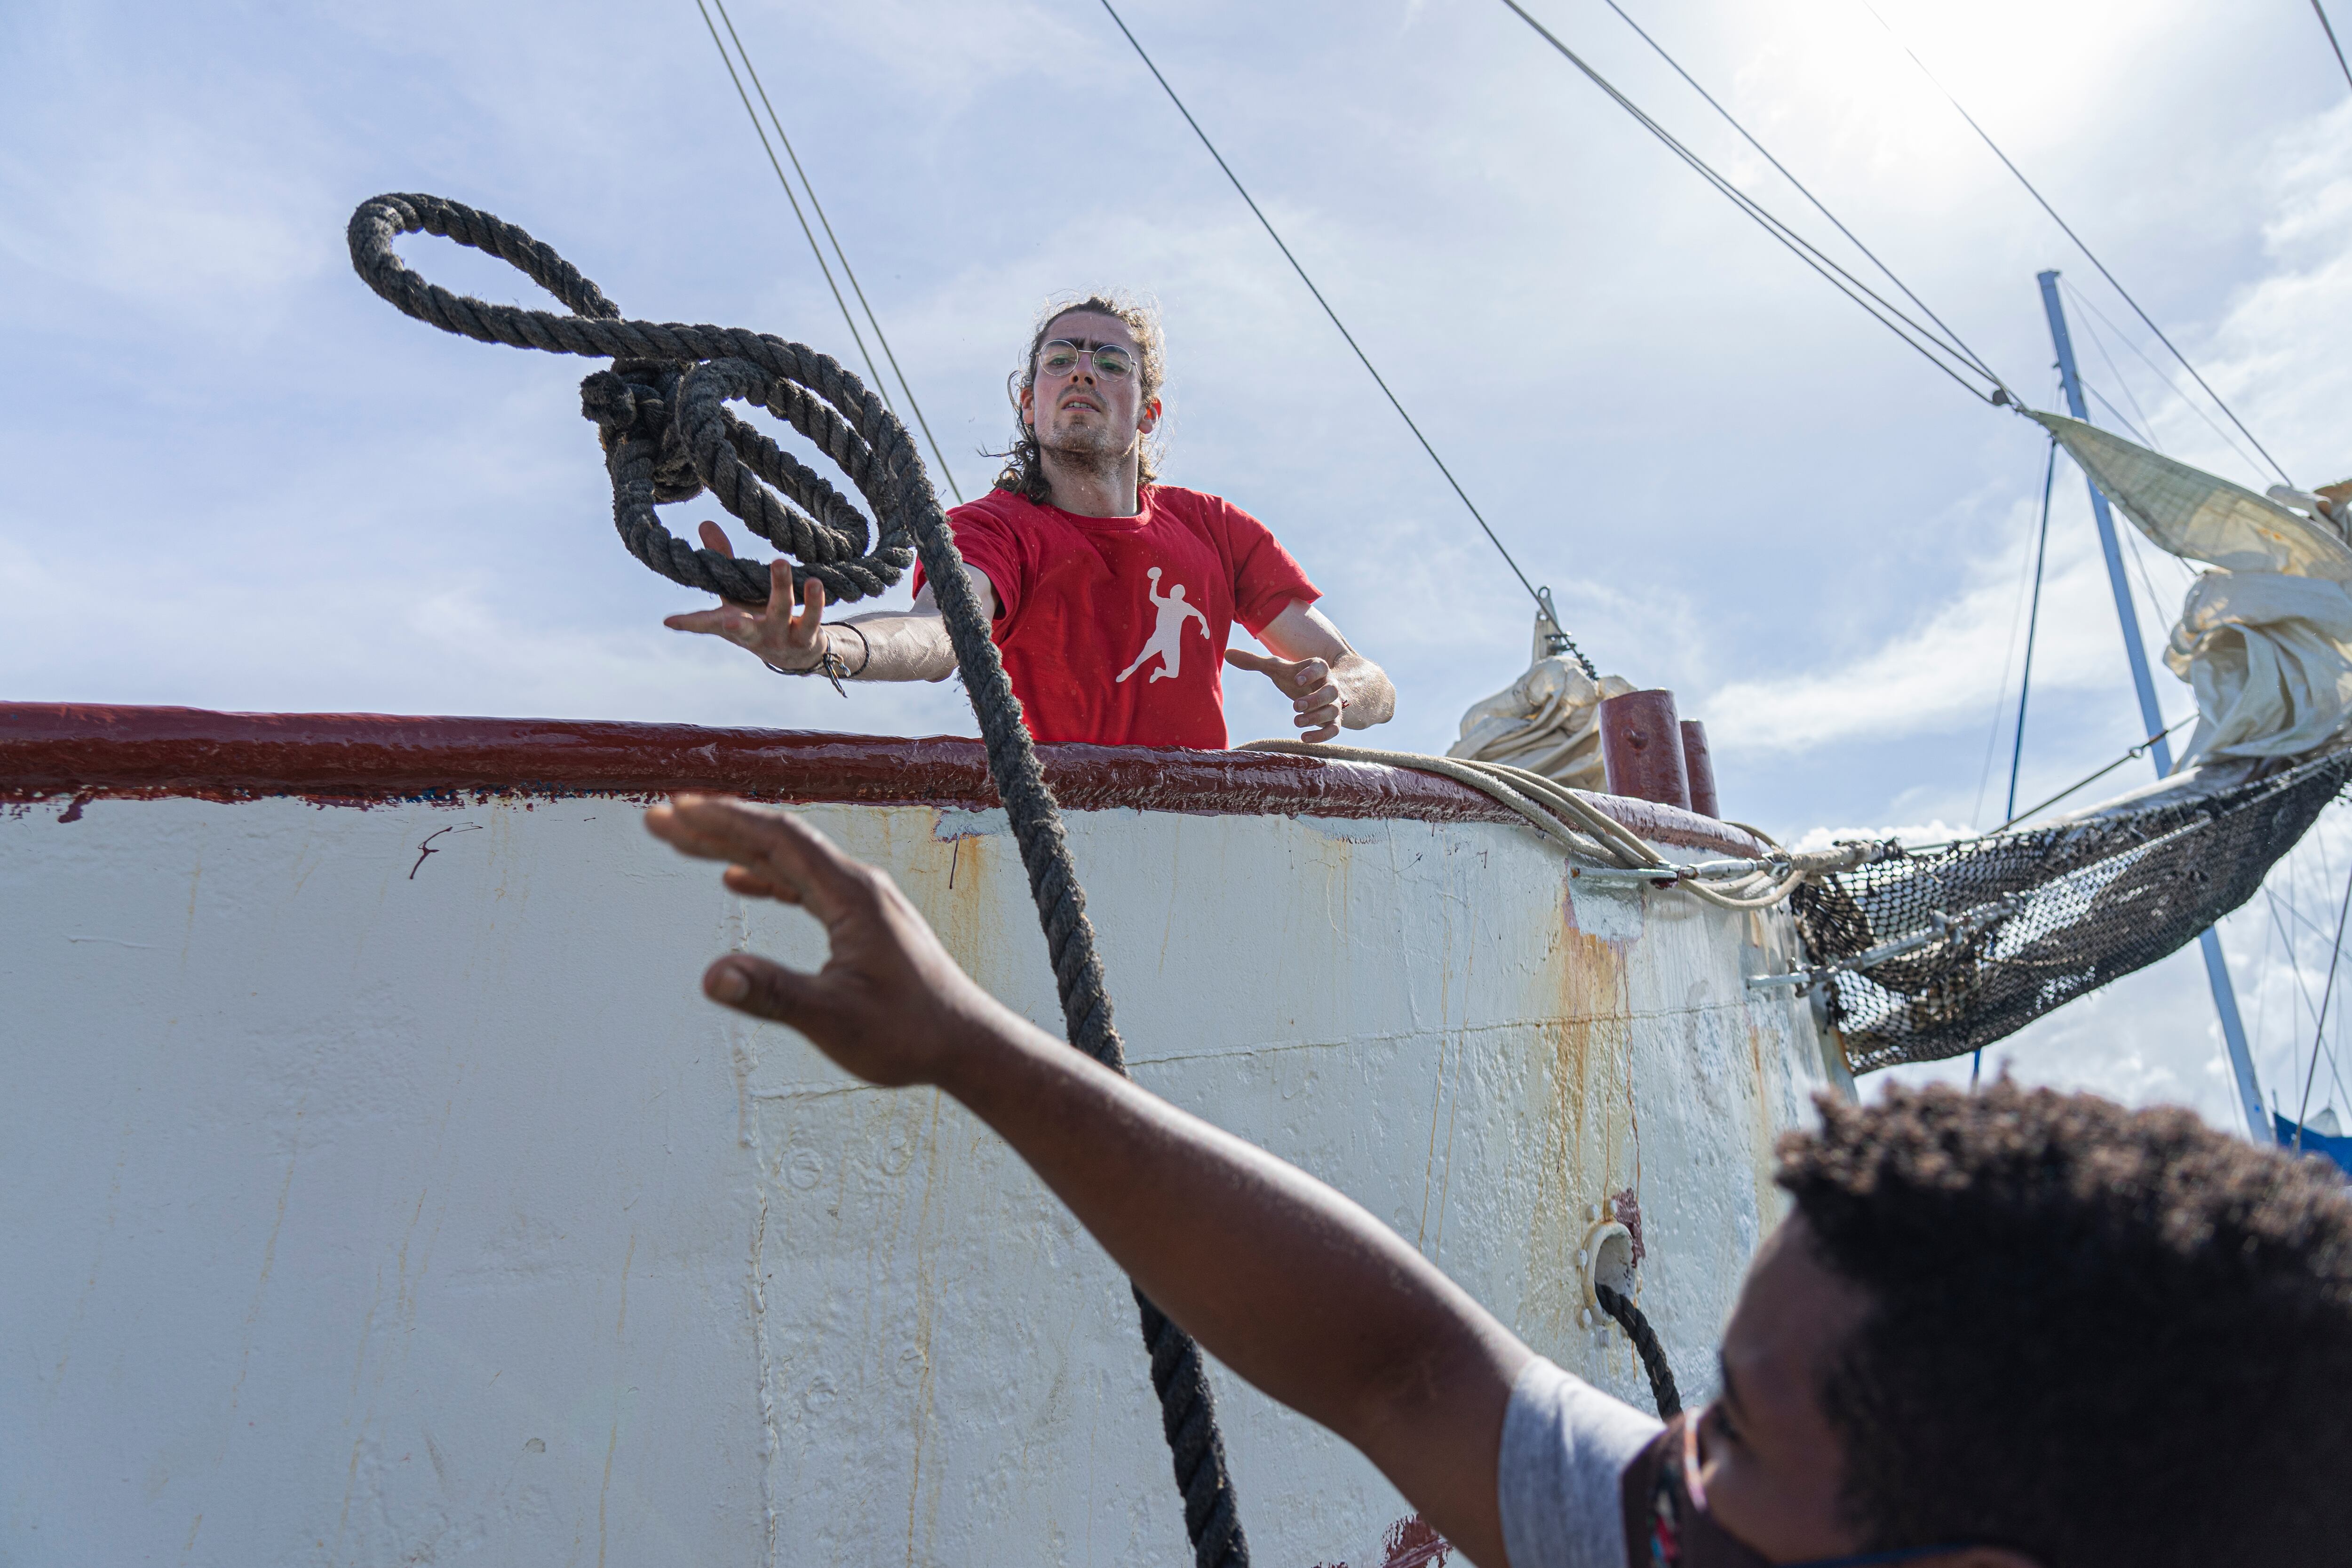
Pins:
x,y
2027,568
2026,681
2331,44
814,250
2000,692
2327,873
2078,238
2295,970
2187,402
2295,914
1542,602
2138,432
2146,426
2290,865
880,388
1922,340
2294,865
2256,1037
2024,689
1950,337
2326,993
856,288
2088,779
2327,876
2156,612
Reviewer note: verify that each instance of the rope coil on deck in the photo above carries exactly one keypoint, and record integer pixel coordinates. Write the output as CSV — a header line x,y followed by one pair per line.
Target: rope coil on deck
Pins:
x,y
1599,836
660,413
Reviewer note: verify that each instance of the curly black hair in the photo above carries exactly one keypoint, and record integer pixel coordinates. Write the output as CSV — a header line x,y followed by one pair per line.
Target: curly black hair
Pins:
x,y
2098,1336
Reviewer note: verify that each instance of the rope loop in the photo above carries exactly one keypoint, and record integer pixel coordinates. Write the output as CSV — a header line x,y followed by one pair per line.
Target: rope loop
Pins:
x,y
660,412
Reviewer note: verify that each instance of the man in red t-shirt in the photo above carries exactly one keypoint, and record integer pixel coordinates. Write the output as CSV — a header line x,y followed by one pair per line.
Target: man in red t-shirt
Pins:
x,y
1112,596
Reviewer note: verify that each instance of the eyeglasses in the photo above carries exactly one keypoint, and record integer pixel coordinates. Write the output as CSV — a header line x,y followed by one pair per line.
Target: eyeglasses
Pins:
x,y
1061,356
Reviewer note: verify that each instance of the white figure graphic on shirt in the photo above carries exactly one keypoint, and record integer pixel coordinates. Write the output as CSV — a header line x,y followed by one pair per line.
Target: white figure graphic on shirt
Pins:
x,y
1167,642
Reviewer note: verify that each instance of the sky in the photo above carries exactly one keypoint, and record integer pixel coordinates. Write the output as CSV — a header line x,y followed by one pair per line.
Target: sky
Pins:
x,y
243,482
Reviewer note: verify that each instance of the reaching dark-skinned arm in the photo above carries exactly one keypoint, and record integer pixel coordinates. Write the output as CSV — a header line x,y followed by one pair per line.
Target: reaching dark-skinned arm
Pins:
x,y
1296,1289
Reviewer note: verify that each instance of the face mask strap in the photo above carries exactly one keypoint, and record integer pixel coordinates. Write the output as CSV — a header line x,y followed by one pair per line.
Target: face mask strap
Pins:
x,y
1691,1482
1695,1489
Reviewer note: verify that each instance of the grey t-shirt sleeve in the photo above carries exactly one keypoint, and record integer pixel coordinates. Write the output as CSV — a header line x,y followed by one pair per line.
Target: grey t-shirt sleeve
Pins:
x,y
1565,1446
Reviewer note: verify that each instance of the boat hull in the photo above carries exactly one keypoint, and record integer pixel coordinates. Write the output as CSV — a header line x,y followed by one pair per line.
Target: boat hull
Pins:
x,y
383,1190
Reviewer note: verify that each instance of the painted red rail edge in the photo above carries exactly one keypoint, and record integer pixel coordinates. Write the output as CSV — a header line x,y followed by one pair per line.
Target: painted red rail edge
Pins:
x,y
91,751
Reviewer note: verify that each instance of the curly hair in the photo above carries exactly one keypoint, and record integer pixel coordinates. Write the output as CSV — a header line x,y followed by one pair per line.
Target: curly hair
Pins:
x,y
2097,1336
1024,472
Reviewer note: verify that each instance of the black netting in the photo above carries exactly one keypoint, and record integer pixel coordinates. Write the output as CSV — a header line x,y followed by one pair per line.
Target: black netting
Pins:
x,y
2010,926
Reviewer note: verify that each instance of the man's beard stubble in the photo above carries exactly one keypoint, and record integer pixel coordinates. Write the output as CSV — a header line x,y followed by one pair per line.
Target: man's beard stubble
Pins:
x,y
1094,449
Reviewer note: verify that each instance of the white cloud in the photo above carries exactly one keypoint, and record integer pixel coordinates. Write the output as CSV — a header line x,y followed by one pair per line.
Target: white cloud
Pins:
x,y
179,219
1945,670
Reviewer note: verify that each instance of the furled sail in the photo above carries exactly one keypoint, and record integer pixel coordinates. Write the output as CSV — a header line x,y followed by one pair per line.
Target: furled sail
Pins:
x,y
2264,639
1948,948
1547,722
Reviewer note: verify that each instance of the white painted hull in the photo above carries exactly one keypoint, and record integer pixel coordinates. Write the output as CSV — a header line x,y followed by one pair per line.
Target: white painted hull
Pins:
x,y
366,1208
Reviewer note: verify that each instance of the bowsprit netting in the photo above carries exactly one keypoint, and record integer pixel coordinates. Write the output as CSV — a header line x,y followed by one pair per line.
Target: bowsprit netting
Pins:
x,y
1937,953
661,413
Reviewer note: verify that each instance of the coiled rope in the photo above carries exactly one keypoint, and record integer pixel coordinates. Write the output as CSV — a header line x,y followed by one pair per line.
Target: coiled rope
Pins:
x,y
660,413
1597,835
1645,1345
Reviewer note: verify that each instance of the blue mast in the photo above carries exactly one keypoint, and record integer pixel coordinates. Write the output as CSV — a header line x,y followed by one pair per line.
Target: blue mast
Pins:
x,y
2151,718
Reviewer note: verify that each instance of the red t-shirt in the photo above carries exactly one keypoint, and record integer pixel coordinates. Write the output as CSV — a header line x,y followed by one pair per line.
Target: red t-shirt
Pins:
x,y
1114,629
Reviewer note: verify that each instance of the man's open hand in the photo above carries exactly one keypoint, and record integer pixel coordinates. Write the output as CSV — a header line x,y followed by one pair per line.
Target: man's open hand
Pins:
x,y
1306,682
889,1005
787,641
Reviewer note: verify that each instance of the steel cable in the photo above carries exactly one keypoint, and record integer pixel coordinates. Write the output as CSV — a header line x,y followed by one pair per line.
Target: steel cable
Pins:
x,y
1540,596
888,354
1952,339
1922,340
2341,64
2146,319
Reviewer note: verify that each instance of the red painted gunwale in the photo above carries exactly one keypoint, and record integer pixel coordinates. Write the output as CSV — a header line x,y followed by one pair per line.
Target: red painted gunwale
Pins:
x,y
87,751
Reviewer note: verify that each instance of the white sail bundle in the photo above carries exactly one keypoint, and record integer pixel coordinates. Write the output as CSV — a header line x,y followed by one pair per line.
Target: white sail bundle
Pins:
x,y
2264,639
1547,722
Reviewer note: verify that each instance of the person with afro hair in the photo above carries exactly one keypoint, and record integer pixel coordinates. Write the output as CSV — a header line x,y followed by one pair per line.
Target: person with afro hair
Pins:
x,y
2014,1329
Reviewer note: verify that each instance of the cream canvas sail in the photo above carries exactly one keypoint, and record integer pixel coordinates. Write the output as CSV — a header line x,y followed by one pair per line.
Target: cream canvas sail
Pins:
x,y
2264,636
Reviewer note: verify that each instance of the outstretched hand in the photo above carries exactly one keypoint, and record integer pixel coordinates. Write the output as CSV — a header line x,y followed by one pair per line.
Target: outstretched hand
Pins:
x,y
1295,1288
787,641
889,1005
1306,682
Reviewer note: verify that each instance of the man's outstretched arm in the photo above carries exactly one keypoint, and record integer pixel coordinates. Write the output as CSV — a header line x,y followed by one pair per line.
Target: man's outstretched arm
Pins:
x,y
1296,1289
885,645
1328,682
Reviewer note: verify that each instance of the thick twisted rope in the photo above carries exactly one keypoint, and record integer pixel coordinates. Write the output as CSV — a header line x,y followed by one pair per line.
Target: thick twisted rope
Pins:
x,y
1645,1345
1597,835
660,412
